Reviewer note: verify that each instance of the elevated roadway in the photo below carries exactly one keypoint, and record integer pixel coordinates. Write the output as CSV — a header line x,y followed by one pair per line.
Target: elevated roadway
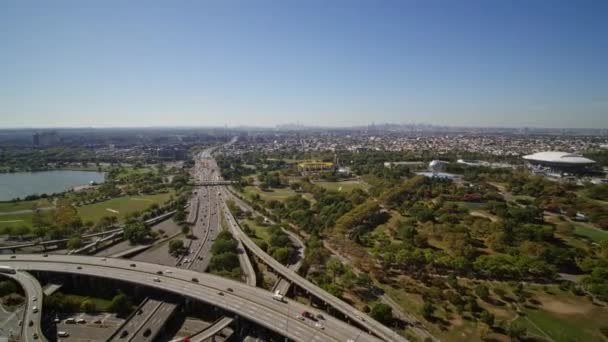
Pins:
x,y
33,292
251,303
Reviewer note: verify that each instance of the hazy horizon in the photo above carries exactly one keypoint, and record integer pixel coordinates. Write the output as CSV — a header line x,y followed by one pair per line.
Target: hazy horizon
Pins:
x,y
112,64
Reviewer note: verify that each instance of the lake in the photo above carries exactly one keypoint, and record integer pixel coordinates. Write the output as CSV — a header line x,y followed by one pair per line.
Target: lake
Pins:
x,y
21,184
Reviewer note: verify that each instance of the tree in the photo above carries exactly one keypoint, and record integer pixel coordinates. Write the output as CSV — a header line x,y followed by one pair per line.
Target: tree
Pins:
x,y
487,318
185,229
427,310
88,306
382,313
281,254
120,304
136,231
516,331
7,287
482,292
334,265
74,242
176,247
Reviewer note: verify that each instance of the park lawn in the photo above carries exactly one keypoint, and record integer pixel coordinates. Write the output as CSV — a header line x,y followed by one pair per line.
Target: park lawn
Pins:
x,y
272,194
24,205
594,234
346,186
459,329
261,232
128,171
564,327
123,205
24,219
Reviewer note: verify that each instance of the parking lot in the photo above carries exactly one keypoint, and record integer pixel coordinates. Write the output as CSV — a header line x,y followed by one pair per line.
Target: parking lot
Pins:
x,y
95,327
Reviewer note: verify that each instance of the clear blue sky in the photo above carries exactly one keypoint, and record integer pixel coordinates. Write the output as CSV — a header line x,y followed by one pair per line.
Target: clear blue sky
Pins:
x,y
144,63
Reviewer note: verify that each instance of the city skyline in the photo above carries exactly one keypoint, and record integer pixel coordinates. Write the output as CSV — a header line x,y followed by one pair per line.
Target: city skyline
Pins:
x,y
261,64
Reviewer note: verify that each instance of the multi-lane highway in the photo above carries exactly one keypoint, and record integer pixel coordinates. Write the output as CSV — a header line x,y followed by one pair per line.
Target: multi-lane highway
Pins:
x,y
33,308
251,303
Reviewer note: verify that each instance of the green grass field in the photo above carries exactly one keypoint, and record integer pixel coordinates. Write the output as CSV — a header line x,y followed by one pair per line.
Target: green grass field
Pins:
x,y
276,194
120,207
19,219
595,234
23,205
564,327
261,232
346,186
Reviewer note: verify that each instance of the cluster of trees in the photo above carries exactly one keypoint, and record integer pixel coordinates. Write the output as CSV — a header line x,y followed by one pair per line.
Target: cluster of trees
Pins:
x,y
21,158
279,245
224,260
120,304
233,167
596,267
322,215
8,286
136,231
270,180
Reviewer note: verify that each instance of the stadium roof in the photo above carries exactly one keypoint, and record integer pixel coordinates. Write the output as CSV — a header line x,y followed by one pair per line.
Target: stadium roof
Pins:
x,y
558,158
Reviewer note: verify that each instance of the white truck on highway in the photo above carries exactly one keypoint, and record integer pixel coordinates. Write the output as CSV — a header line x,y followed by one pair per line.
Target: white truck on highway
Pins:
x,y
278,296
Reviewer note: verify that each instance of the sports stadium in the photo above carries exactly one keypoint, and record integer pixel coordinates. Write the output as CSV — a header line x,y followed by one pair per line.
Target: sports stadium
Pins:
x,y
559,162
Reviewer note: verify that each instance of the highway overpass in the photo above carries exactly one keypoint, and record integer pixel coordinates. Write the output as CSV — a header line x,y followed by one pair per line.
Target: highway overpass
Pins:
x,y
33,292
253,304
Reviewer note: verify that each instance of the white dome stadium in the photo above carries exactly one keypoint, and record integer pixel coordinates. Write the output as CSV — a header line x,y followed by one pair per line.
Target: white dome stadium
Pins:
x,y
558,158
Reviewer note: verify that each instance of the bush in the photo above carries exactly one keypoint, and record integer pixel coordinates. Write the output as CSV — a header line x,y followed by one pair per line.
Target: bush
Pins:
x,y
382,313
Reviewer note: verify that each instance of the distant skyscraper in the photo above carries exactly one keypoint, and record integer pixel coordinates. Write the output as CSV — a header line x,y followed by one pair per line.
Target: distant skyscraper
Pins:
x,y
36,139
45,138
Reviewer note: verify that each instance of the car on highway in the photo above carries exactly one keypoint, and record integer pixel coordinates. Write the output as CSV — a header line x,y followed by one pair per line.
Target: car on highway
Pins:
x,y
195,280
156,280
319,326
81,321
63,334
309,315
230,289
133,265
35,336
220,293
159,272
35,309
70,320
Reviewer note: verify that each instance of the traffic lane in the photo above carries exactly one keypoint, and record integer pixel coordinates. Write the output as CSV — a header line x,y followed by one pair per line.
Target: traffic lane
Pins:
x,y
138,319
265,309
153,268
33,292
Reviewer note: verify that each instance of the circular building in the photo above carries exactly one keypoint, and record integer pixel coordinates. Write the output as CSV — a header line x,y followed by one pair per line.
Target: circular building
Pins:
x,y
436,166
559,161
